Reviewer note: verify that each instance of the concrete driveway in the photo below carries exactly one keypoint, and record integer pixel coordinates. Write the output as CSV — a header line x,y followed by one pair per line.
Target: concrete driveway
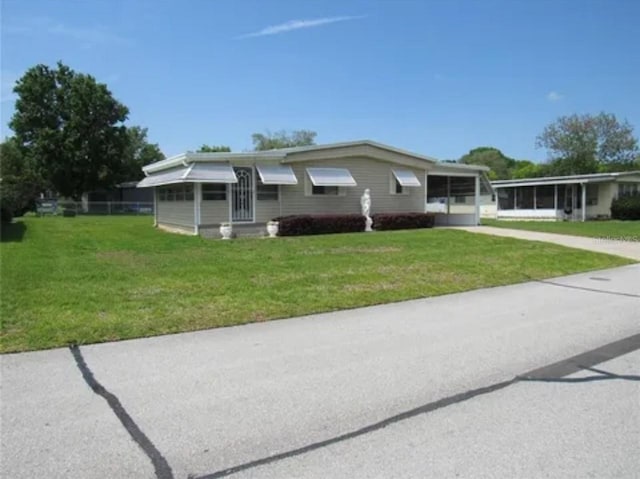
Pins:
x,y
532,380
626,249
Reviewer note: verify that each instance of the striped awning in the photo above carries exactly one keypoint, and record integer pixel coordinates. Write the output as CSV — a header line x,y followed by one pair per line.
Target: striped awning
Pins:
x,y
276,175
194,173
331,177
406,177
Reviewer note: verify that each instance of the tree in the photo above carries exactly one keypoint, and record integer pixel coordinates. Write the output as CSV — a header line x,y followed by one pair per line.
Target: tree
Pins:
x,y
20,184
214,149
282,139
499,164
138,153
580,144
527,169
70,128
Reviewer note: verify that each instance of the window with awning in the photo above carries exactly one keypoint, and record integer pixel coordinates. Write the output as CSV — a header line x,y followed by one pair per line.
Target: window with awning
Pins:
x,y
276,175
331,177
406,178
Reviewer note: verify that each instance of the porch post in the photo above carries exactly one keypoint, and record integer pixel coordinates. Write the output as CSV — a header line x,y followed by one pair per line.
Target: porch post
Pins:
x,y
155,206
448,198
555,198
197,187
477,199
584,201
229,202
535,200
425,191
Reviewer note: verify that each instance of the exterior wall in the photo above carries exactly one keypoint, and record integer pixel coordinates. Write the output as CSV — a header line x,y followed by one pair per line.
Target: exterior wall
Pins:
x,y
213,212
267,210
606,193
176,213
368,173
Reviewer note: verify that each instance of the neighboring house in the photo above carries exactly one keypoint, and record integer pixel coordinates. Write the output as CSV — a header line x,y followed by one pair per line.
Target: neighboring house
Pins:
x,y
196,192
577,197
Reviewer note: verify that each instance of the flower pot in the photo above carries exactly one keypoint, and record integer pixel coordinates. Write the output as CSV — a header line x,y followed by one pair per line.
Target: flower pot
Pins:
x,y
272,229
225,231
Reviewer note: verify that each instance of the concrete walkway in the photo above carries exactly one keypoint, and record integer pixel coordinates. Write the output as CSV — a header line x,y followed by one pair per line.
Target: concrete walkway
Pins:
x,y
626,249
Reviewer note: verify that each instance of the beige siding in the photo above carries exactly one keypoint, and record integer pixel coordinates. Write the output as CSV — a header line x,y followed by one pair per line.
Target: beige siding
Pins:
x,y
214,212
176,213
368,173
606,193
267,210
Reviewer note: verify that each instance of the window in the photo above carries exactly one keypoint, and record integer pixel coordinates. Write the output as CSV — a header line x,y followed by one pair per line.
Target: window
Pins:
x,y
628,189
183,192
267,192
524,198
545,197
506,198
396,187
592,195
325,190
214,192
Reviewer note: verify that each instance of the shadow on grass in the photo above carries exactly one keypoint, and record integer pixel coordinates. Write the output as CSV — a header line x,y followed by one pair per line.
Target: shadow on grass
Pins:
x,y
12,232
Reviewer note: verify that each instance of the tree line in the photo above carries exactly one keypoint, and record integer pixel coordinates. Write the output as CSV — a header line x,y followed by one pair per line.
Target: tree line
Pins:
x,y
70,137
576,144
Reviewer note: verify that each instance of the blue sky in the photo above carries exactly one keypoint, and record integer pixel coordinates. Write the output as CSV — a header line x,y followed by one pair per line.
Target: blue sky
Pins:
x,y
438,78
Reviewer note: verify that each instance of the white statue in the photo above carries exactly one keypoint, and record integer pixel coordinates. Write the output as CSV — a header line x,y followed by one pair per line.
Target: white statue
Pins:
x,y
365,203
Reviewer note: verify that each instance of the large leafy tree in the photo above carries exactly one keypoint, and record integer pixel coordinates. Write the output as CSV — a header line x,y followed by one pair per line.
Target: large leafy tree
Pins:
x,y
138,152
20,183
283,139
70,128
580,144
214,149
500,165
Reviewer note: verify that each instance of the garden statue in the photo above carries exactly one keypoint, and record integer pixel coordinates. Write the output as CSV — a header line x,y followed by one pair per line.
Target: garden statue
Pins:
x,y
365,203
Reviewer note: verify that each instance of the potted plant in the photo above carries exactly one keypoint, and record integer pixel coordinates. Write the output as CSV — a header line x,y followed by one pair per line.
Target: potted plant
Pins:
x,y
226,230
272,228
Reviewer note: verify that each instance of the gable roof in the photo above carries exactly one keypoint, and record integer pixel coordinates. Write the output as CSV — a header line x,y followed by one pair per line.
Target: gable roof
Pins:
x,y
560,180
299,153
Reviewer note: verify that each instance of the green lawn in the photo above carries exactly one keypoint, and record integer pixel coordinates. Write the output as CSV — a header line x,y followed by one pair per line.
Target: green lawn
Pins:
x,y
623,230
92,279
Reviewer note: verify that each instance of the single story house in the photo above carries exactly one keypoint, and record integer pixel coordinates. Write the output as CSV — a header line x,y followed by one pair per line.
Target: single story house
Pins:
x,y
575,197
196,192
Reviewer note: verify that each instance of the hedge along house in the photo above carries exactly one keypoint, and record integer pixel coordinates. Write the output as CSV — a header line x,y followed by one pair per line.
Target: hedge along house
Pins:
x,y
195,192
577,197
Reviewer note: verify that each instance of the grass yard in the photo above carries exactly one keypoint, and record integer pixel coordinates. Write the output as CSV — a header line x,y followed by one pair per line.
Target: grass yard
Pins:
x,y
91,279
612,229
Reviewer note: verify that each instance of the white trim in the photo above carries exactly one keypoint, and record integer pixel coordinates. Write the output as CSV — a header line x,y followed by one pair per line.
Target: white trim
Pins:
x,y
186,173
477,199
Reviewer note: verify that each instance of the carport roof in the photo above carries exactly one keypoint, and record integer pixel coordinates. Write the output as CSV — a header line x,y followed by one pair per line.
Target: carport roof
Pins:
x,y
563,180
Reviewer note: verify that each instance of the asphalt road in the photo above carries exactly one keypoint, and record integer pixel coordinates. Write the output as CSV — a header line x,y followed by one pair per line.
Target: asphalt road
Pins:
x,y
441,387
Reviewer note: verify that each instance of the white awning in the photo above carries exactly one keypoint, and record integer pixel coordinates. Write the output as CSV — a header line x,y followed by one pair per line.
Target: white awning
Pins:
x,y
210,173
277,175
194,173
331,177
163,178
406,178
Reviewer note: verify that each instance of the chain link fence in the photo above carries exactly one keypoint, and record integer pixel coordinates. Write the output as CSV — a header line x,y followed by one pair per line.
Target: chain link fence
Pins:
x,y
55,207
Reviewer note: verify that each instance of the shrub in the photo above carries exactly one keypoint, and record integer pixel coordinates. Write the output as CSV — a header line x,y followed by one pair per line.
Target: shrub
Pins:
x,y
403,221
626,208
300,225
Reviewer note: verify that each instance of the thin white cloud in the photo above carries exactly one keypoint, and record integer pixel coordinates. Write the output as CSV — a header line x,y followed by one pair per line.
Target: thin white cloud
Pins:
x,y
85,36
299,25
554,96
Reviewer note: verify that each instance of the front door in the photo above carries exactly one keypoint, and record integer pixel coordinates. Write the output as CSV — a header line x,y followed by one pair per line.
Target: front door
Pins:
x,y
242,195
